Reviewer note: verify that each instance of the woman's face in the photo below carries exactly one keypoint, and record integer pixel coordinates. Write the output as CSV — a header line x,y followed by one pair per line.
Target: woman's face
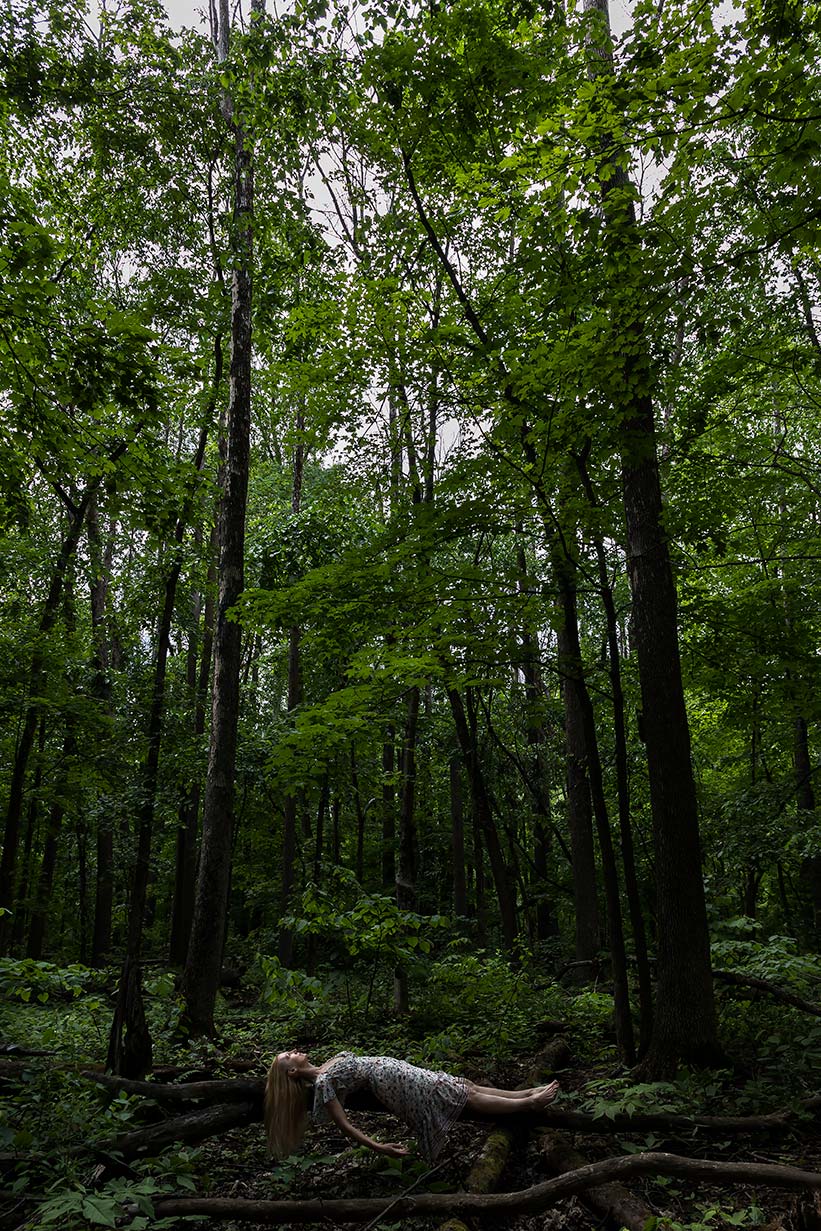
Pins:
x,y
292,1060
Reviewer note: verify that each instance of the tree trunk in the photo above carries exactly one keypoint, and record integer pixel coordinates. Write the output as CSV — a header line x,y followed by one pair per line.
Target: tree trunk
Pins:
x,y
20,917
388,810
581,719
101,562
45,883
187,834
292,796
406,863
460,901
360,819
14,810
202,969
545,919
622,784
480,801
805,798
685,1026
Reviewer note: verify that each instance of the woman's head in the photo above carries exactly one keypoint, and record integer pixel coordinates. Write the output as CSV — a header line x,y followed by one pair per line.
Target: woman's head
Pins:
x,y
286,1116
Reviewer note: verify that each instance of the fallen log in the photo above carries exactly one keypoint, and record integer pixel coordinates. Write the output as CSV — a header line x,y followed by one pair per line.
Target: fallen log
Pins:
x,y
527,1201
612,1200
251,1089
193,1126
229,1090
768,989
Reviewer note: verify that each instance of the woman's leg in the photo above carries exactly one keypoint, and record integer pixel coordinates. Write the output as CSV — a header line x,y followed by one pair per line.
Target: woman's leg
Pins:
x,y
514,1094
490,1101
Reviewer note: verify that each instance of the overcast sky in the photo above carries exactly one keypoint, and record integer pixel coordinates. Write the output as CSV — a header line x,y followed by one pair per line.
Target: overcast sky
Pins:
x,y
195,13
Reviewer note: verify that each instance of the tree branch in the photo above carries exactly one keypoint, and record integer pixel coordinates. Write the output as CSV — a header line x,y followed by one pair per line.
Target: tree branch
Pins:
x,y
528,1200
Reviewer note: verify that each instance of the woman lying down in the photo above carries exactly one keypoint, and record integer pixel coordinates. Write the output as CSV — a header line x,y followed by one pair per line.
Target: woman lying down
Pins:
x,y
428,1102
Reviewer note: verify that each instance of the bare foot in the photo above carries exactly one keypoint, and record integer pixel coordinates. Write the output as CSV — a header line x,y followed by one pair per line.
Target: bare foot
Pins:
x,y
543,1095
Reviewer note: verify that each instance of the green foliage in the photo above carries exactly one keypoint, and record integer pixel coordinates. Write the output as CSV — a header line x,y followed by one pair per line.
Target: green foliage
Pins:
x,y
28,981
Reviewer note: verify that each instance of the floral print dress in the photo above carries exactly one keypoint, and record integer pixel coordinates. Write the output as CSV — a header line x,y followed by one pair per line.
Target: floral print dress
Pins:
x,y
428,1102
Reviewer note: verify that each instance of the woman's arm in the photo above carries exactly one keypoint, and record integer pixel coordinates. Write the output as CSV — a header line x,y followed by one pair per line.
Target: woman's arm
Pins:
x,y
335,1111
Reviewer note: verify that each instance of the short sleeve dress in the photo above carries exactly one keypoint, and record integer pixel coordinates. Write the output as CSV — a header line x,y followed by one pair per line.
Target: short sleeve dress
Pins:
x,y
428,1102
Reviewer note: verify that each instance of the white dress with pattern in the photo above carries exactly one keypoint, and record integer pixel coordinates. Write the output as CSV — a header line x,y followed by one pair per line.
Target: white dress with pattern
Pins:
x,y
428,1102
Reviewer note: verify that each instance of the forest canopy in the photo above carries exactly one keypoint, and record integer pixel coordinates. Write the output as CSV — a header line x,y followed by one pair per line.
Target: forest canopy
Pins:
x,y
410,477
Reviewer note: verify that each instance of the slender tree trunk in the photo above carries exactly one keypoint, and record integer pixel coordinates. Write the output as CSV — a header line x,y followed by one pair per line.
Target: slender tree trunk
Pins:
x,y
480,801
292,797
406,863
22,897
460,900
360,819
622,781
580,823
101,560
129,1043
14,810
202,969
685,1026
388,810
45,883
545,918
188,832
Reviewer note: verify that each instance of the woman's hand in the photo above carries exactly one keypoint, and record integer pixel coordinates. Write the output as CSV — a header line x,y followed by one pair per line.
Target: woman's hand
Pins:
x,y
392,1149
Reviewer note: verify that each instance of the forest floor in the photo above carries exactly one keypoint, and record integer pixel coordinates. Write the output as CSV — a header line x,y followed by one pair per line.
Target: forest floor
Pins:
x,y
490,1028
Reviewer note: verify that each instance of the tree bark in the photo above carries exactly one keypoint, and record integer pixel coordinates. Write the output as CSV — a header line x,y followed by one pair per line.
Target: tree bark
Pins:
x,y
292,798
14,810
406,862
460,898
581,725
101,562
45,883
388,810
685,1025
480,801
203,963
631,883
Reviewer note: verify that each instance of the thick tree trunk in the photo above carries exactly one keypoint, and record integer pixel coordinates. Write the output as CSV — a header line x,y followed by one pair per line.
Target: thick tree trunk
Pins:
x,y
805,798
685,1026
202,969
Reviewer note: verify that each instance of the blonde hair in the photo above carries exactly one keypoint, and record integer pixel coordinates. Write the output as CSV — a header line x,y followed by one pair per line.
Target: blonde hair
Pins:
x,y
286,1115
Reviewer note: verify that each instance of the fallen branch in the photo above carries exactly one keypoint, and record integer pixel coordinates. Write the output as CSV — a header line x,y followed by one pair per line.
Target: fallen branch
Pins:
x,y
769,989
612,1201
527,1201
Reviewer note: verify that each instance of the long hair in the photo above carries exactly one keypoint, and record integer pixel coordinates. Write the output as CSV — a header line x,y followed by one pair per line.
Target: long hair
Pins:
x,y
286,1116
